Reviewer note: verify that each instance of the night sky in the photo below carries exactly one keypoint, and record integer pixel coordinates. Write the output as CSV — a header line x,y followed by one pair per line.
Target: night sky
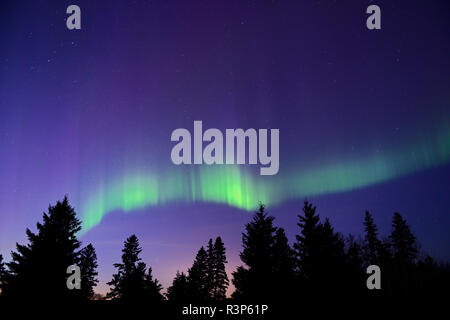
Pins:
x,y
364,119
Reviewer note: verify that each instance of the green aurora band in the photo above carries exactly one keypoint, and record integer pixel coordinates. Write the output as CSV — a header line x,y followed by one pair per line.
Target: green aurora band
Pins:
x,y
236,187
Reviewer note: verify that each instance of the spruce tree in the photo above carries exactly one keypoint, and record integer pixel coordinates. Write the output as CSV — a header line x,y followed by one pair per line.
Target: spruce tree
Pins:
x,y
88,267
3,274
284,265
307,246
131,282
220,276
198,277
354,272
153,288
178,291
210,269
330,265
404,254
38,269
255,280
372,244
321,254
403,242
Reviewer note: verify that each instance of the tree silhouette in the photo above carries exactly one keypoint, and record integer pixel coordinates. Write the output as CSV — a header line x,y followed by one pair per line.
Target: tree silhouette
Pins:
x,y
321,261
152,291
332,260
88,267
255,280
39,268
321,257
198,277
131,282
355,275
404,253
3,274
372,244
403,242
207,278
210,268
178,291
284,265
307,247
220,277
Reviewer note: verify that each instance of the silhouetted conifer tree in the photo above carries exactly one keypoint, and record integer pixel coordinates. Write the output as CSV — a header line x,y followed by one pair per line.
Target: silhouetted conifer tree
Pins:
x,y
377,252
3,274
307,246
88,268
210,268
198,277
131,282
354,275
371,242
178,291
321,254
403,242
284,265
221,282
331,265
255,281
404,253
152,291
385,262
38,269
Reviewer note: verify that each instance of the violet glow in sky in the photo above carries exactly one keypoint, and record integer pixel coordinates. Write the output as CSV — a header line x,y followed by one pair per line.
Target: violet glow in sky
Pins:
x,y
364,118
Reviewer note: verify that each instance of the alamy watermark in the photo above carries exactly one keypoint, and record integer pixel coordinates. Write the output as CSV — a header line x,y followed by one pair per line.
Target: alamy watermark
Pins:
x,y
74,280
235,140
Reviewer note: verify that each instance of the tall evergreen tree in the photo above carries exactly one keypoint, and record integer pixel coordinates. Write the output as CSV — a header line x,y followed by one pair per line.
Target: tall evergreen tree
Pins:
x,y
131,282
3,274
88,267
255,281
403,242
38,269
198,277
354,272
376,252
404,253
307,245
178,291
372,244
210,268
152,291
320,253
220,275
386,263
284,265
331,263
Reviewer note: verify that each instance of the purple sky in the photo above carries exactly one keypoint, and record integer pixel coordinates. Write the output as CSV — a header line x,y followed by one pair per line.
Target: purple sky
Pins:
x,y
79,107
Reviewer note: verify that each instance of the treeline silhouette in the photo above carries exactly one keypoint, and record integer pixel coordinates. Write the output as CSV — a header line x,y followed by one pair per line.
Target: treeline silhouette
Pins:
x,y
320,262
206,279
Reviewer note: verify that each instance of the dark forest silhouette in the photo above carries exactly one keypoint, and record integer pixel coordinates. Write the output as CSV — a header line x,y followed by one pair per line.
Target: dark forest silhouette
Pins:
x,y
133,281
320,262
38,269
206,279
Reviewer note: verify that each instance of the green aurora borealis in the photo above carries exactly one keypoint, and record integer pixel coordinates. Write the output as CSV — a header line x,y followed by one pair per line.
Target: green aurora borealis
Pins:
x,y
235,186
363,118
